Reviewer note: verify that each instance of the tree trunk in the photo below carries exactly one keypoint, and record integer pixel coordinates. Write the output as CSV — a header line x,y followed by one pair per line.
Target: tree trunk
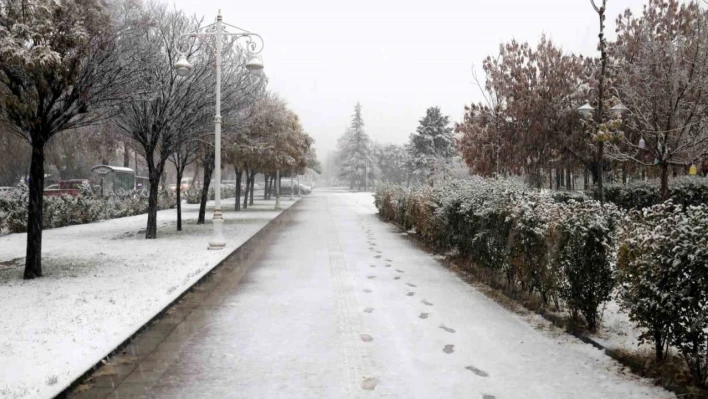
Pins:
x,y
600,171
208,169
33,260
664,191
126,155
658,345
245,194
154,175
237,200
253,184
178,192
265,186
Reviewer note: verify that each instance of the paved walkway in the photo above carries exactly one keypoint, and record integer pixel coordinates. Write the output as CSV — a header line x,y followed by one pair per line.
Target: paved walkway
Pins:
x,y
342,306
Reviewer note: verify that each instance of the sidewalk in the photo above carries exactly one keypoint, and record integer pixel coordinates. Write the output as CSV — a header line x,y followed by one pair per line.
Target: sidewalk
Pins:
x,y
102,282
342,306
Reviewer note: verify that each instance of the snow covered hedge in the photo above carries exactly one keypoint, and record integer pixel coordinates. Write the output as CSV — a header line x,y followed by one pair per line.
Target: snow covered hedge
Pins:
x,y
561,249
572,252
194,195
684,190
663,276
67,210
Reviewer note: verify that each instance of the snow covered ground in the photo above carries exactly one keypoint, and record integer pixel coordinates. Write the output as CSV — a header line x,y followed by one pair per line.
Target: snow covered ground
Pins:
x,y
102,282
362,312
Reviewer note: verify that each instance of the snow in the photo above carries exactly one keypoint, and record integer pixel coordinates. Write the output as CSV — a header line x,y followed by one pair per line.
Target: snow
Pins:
x,y
616,331
336,322
102,282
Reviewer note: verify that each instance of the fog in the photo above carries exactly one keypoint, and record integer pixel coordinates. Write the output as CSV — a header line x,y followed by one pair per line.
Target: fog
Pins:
x,y
396,57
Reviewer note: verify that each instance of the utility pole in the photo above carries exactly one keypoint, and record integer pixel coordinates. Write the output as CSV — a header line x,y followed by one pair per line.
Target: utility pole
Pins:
x,y
601,86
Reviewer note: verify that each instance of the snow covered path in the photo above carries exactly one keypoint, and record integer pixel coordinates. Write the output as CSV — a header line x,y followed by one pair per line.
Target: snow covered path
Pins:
x,y
342,306
102,282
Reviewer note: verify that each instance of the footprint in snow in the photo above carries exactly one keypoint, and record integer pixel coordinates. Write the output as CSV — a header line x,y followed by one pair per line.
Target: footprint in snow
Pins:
x,y
371,277
485,396
424,315
377,256
366,338
410,294
397,278
411,285
368,310
426,303
400,271
477,371
368,291
449,349
369,384
448,329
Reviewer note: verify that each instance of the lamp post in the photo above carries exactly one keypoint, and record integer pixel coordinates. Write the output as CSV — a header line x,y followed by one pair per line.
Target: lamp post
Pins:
x,y
254,65
277,189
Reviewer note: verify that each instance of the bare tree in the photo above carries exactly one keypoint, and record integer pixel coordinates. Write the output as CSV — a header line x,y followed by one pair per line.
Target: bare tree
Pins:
x,y
185,153
51,77
163,106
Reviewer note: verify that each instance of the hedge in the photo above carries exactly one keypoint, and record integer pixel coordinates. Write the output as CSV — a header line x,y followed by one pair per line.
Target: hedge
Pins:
x,y
572,251
560,250
68,210
683,190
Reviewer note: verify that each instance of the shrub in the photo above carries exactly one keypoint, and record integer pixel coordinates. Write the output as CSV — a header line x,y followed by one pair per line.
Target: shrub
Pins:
x,y
194,195
69,210
535,243
684,191
663,274
586,255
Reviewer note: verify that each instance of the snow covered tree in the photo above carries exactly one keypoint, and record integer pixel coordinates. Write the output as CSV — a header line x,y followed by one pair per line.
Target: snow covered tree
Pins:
x,y
58,62
432,146
394,163
663,80
184,154
357,163
162,106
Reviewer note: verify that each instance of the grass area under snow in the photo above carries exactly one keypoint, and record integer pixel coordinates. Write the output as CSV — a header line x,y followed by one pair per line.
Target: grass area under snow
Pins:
x,y
102,281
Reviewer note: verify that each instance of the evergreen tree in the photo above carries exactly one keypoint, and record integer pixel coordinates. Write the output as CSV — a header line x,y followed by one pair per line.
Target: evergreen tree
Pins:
x,y
356,155
431,147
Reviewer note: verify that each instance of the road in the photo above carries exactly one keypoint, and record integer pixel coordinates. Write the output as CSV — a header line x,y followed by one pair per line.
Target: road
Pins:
x,y
341,305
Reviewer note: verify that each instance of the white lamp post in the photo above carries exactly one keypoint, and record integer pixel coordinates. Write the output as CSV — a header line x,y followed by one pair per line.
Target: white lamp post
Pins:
x,y
254,65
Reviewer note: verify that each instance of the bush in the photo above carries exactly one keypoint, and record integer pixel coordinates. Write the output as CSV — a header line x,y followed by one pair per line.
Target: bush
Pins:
x,y
68,210
537,244
663,274
194,195
586,255
684,191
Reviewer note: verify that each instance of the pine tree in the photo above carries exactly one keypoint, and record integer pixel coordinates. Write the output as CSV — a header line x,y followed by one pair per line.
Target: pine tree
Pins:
x,y
431,147
355,151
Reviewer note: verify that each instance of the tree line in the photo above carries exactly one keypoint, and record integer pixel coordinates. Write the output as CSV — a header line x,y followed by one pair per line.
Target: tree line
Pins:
x,y
101,75
429,154
652,81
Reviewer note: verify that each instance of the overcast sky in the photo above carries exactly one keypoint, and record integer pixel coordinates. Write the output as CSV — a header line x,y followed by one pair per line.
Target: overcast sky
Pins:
x,y
396,57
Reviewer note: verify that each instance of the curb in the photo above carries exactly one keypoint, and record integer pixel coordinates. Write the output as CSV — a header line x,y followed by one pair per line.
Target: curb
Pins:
x,y
205,284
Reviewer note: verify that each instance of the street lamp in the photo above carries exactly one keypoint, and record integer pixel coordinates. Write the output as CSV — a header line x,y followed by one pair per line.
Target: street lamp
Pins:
x,y
586,110
254,65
